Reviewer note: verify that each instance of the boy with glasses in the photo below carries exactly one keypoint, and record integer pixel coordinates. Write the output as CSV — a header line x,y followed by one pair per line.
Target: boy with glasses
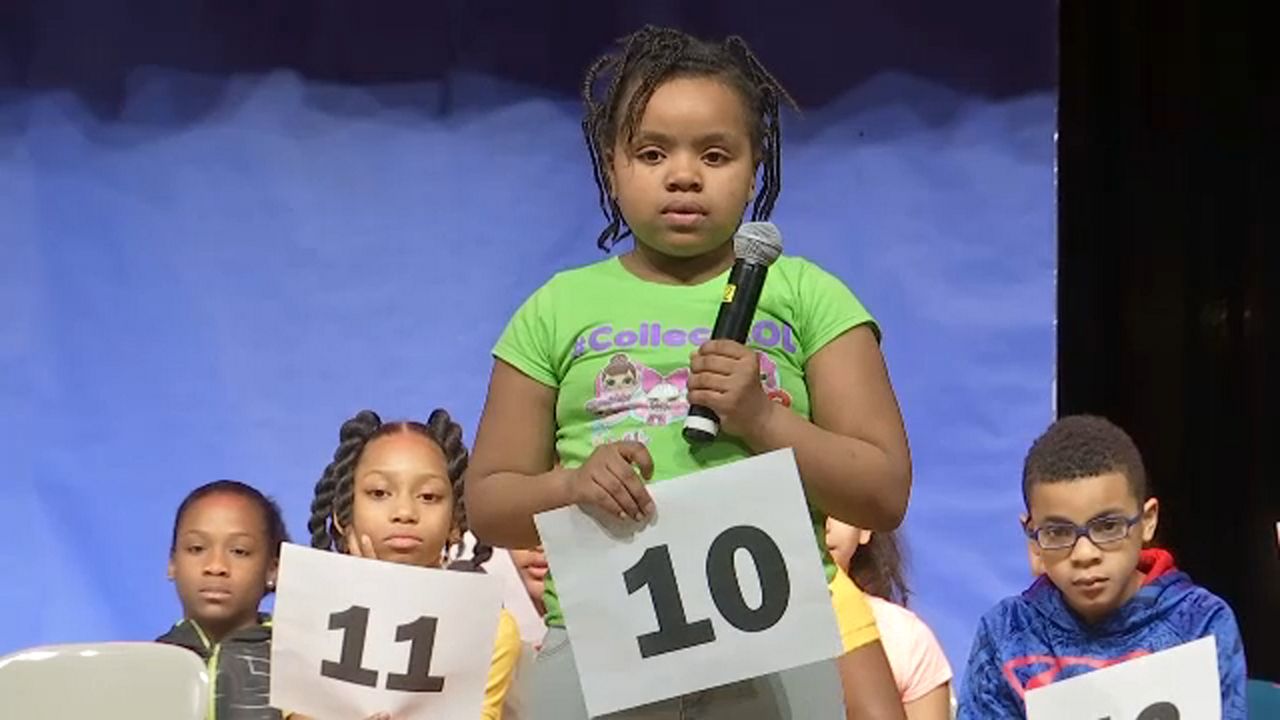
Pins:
x,y
1103,598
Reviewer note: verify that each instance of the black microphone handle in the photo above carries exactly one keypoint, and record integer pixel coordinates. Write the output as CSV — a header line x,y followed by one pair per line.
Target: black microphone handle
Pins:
x,y
733,322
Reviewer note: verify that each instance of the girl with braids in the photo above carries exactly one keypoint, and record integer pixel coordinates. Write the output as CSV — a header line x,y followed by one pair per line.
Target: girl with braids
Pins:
x,y
875,563
394,492
684,136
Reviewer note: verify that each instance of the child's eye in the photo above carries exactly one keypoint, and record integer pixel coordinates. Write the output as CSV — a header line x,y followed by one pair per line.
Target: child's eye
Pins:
x,y
429,497
1108,525
377,493
651,156
715,157
195,549
1058,532
240,552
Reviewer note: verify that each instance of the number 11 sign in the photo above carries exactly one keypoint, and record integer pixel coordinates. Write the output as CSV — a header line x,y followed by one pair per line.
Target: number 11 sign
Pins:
x,y
725,584
353,637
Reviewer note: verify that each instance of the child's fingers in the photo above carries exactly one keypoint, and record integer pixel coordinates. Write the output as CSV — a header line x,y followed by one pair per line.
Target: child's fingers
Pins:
x,y
599,496
726,348
713,364
367,545
710,381
633,486
637,454
353,544
612,477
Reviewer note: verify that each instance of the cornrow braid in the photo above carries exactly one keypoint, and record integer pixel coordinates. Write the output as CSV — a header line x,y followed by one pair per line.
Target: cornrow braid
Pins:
x,y
333,493
650,56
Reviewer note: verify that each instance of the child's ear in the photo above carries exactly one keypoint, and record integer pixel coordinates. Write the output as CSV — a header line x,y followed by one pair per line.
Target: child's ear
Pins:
x,y
1034,560
171,569
1150,519
864,537
272,572
1033,549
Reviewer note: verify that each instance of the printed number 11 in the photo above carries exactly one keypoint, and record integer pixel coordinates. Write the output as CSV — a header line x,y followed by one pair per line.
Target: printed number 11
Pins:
x,y
354,624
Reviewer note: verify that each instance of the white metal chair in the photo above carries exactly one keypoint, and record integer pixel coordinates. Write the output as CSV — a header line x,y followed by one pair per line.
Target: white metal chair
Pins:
x,y
104,681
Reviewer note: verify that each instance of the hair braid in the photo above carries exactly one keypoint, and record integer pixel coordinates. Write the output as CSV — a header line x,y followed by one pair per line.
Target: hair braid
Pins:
x,y
331,506
645,59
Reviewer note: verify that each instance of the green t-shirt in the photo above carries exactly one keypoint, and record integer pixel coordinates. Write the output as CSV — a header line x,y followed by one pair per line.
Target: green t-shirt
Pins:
x,y
616,348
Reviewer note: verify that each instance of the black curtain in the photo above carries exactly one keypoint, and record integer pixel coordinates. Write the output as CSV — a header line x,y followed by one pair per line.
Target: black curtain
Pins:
x,y
1169,272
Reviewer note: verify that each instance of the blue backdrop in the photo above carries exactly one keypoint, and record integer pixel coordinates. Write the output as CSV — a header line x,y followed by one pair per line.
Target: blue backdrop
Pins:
x,y
224,231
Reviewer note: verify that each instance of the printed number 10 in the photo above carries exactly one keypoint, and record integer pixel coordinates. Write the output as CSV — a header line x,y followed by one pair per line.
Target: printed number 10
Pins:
x,y
675,632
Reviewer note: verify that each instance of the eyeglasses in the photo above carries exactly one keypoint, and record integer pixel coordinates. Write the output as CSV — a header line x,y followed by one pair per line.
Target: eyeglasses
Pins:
x,y
1101,531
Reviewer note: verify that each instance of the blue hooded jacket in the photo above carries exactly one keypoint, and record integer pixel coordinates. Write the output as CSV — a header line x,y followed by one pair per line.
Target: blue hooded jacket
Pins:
x,y
1034,639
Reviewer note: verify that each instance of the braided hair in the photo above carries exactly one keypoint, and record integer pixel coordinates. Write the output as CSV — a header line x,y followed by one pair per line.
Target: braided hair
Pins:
x,y
646,59
331,508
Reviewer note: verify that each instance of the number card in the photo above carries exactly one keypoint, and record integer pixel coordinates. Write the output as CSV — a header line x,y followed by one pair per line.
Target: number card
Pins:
x,y
353,637
724,584
1180,683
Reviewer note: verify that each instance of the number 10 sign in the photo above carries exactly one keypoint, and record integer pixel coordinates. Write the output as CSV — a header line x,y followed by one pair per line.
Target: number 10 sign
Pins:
x,y
725,584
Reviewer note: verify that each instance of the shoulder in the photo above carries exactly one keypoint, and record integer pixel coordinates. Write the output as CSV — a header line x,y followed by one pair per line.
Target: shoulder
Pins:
x,y
572,279
1201,609
889,614
1011,615
606,269
797,268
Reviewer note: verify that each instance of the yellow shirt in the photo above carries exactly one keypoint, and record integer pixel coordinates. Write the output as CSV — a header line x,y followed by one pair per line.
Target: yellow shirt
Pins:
x,y
853,613
506,651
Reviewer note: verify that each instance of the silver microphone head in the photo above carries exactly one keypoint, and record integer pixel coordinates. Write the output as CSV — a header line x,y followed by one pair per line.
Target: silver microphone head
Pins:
x,y
757,242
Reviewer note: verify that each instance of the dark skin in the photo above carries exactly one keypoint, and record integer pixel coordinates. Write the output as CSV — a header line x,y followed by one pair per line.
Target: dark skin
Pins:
x,y
692,145
870,692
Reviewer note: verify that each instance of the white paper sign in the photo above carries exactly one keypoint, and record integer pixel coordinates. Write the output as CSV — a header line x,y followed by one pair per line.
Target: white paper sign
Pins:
x,y
725,584
1180,683
353,637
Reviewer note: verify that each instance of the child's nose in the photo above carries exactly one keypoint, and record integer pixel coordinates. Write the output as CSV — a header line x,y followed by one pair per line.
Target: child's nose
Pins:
x,y
683,176
405,512
1084,550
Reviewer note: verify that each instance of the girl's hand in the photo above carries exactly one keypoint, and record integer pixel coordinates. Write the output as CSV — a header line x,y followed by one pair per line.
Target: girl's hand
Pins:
x,y
361,547
609,481
725,377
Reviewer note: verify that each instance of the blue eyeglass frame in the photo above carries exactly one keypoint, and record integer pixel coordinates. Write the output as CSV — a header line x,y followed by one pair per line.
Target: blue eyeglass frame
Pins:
x,y
1083,531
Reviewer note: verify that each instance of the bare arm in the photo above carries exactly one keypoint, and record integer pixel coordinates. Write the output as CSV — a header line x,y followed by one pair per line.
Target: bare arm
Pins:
x,y
869,690
512,475
933,705
853,457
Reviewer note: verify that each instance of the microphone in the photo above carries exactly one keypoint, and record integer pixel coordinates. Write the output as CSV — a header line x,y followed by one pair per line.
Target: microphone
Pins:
x,y
755,246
